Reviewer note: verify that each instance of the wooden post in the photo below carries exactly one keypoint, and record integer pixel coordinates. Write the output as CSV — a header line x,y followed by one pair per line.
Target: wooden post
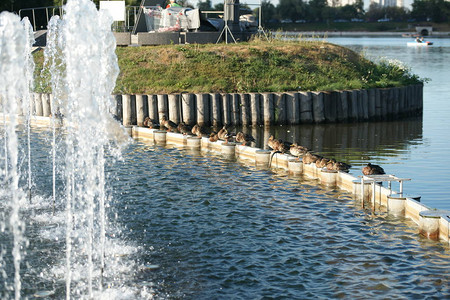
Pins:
x,y
45,105
162,106
245,109
255,108
216,107
235,109
306,110
226,105
330,106
38,104
364,101
353,105
119,107
153,107
188,108
342,108
268,108
203,109
126,110
173,101
318,107
280,108
371,103
293,108
140,112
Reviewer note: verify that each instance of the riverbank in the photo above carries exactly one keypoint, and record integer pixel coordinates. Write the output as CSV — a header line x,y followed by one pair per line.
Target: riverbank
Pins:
x,y
435,34
257,66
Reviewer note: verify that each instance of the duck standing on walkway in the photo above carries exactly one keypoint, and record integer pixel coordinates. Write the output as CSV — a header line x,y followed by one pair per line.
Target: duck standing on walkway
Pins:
x,y
183,128
198,130
322,163
373,170
213,137
310,157
244,138
223,134
171,126
341,166
297,150
150,123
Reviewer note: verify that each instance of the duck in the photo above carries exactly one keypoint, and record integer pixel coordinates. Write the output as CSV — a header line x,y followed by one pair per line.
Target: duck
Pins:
x,y
322,163
330,164
244,138
297,150
148,122
371,169
341,166
310,157
278,145
213,137
171,126
223,134
183,128
270,142
198,130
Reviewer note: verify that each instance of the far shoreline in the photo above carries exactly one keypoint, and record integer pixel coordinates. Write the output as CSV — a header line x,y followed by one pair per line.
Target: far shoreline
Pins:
x,y
435,34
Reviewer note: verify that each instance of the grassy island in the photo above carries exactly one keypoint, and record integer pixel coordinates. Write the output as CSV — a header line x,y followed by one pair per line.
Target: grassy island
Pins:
x,y
256,66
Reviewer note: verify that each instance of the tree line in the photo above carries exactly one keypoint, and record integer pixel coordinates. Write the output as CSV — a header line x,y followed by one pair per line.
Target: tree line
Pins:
x,y
298,10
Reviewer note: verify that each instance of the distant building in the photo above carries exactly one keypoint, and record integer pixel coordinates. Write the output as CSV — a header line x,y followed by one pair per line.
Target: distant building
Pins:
x,y
399,3
337,3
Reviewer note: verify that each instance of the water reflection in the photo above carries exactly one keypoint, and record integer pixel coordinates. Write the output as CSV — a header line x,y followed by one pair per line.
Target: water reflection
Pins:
x,y
350,141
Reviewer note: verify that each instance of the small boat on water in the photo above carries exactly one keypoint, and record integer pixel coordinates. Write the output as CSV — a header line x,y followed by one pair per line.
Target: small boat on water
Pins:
x,y
419,44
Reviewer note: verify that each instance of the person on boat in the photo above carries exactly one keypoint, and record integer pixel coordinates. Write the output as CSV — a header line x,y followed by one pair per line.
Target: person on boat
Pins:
x,y
419,40
173,4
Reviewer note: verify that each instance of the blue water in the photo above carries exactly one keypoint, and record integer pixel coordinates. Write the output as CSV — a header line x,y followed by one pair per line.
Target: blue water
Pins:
x,y
187,225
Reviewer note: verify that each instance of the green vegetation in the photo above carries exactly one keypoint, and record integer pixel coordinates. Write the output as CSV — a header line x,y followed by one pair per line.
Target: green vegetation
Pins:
x,y
256,66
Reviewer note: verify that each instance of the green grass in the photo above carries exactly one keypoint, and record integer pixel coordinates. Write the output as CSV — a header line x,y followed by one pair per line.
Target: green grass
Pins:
x,y
255,66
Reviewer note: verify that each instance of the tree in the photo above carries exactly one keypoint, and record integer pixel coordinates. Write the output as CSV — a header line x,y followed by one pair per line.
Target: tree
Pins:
x,y
291,9
205,5
268,11
317,9
434,10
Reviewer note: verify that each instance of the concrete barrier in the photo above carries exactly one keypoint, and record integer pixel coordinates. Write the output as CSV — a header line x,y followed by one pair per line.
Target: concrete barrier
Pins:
x,y
126,110
216,110
282,108
268,109
245,109
140,110
173,103
38,104
188,108
46,105
306,110
152,103
318,107
226,105
255,109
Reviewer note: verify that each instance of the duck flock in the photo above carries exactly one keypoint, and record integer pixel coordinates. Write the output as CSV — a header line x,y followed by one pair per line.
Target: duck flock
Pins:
x,y
277,145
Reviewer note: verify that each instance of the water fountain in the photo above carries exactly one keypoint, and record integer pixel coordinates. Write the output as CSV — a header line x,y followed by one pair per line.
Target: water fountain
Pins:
x,y
81,58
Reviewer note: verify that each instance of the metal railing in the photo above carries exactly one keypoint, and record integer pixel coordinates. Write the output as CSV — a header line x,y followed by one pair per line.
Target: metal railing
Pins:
x,y
49,11
40,16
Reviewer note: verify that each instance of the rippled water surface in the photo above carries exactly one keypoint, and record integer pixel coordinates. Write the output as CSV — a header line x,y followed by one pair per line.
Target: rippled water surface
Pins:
x,y
220,229
188,225
423,159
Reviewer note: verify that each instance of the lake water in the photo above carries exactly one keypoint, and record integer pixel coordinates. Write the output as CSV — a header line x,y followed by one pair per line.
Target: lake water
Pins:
x,y
424,159
187,225
415,148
